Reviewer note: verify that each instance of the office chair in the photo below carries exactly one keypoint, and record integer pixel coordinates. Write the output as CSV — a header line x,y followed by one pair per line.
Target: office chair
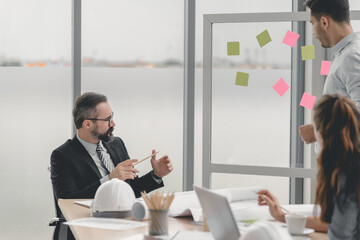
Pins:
x,y
61,232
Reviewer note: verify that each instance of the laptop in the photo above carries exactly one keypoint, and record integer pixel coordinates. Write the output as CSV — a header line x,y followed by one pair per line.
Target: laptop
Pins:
x,y
219,216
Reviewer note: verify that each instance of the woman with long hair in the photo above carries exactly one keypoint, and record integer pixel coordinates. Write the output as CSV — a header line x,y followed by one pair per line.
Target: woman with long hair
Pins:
x,y
336,124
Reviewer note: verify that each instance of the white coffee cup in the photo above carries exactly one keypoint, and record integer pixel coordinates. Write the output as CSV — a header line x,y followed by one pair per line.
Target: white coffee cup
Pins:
x,y
296,223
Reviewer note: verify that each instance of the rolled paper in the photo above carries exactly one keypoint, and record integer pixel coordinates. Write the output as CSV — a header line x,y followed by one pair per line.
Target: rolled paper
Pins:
x,y
140,210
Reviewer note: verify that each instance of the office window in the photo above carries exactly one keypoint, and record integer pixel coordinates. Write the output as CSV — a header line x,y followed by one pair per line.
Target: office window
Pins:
x,y
137,61
219,7
355,25
35,99
222,180
133,34
232,6
250,125
35,33
354,5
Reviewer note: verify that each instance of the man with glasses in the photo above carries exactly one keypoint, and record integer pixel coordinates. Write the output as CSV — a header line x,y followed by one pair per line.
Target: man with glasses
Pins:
x,y
94,155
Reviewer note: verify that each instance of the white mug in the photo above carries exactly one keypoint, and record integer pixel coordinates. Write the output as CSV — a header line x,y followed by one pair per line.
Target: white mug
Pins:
x,y
296,223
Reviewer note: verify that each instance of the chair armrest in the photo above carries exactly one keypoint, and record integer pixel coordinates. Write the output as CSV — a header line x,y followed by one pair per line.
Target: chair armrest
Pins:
x,y
56,221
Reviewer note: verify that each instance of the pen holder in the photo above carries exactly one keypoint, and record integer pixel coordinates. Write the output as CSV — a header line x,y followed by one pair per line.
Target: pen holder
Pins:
x,y
158,222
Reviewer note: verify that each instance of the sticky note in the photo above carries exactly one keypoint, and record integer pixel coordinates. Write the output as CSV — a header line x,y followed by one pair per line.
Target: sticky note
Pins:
x,y
291,38
233,48
308,52
325,67
307,101
250,221
242,79
263,38
281,87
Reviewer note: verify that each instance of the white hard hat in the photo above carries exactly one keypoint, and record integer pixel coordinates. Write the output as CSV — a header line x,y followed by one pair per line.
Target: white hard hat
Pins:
x,y
114,199
265,230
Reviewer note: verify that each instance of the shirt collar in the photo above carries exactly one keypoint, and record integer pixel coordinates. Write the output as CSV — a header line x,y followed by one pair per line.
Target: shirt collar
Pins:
x,y
344,42
90,147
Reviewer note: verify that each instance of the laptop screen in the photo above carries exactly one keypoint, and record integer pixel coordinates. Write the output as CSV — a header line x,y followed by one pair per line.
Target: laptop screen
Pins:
x,y
219,217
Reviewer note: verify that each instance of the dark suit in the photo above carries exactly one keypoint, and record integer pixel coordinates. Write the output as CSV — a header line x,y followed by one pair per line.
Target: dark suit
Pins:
x,y
75,175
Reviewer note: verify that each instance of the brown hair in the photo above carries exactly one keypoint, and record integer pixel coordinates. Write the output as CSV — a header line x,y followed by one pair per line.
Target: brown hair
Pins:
x,y
337,119
85,107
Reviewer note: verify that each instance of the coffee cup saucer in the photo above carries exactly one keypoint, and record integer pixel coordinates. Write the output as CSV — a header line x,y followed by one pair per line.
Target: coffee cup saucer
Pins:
x,y
306,231
300,238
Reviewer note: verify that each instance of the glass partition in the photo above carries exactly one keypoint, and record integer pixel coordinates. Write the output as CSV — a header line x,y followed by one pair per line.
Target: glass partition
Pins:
x,y
251,124
219,7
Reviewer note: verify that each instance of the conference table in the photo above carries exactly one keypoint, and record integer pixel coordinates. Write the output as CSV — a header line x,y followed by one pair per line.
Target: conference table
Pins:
x,y
73,211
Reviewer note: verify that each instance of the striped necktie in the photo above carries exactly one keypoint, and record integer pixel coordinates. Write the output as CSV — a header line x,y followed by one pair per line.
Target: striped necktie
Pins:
x,y
106,161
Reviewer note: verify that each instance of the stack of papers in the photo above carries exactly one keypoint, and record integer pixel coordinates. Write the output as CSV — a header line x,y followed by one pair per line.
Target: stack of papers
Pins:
x,y
85,203
180,235
106,223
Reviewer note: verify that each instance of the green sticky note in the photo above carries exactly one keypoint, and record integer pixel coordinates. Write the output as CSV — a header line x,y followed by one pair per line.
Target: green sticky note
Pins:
x,y
250,221
263,38
308,52
233,48
242,79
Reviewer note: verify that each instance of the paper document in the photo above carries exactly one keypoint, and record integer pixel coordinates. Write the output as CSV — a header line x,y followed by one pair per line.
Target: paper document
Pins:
x,y
85,203
255,212
305,209
135,237
106,223
147,237
197,214
184,201
187,203
243,210
190,235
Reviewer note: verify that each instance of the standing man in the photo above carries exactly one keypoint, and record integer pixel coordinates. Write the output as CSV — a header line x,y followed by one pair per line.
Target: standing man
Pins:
x,y
94,156
332,27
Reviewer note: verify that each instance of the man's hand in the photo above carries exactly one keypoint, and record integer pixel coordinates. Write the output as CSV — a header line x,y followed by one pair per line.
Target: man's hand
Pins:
x,y
124,170
307,133
162,166
267,198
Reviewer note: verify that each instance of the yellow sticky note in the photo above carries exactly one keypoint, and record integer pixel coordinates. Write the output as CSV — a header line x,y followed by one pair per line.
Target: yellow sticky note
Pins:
x,y
242,79
263,38
308,52
233,48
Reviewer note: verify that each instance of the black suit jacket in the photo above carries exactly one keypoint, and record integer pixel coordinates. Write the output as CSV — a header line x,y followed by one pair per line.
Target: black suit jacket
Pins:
x,y
75,175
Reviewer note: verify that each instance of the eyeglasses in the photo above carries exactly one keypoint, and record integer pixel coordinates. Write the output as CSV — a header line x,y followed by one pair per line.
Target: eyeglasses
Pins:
x,y
108,119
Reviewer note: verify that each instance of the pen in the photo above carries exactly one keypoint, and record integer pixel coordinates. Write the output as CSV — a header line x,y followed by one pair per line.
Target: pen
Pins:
x,y
146,158
284,209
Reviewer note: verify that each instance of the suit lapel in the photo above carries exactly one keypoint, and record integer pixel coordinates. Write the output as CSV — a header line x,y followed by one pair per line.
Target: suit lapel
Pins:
x,y
85,156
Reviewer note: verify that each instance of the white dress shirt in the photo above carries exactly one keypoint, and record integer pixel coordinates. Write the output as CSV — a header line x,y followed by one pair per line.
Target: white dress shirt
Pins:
x,y
91,149
344,74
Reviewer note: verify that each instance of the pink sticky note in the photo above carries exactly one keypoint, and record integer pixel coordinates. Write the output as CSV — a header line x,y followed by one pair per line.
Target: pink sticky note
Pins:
x,y
325,67
281,87
307,101
291,38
